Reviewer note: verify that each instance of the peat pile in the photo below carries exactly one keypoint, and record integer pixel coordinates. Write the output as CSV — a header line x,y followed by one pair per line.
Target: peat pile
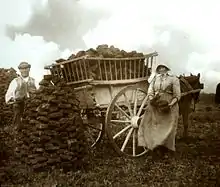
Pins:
x,y
4,148
52,135
6,76
105,69
105,51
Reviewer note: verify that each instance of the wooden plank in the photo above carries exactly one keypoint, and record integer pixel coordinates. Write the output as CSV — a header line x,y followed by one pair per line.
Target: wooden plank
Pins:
x,y
83,87
88,67
110,68
146,72
100,69
139,68
80,81
125,69
151,54
121,70
116,73
77,72
106,76
132,58
81,71
134,69
59,72
85,69
73,72
69,72
189,92
151,61
130,67
118,82
65,72
143,71
99,58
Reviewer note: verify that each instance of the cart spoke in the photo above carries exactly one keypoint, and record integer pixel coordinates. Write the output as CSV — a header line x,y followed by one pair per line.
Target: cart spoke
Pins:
x,y
119,121
126,139
129,106
123,130
129,117
142,106
135,102
94,127
134,142
90,136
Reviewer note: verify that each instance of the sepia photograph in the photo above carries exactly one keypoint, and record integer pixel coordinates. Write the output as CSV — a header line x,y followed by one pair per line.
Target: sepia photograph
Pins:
x,y
109,93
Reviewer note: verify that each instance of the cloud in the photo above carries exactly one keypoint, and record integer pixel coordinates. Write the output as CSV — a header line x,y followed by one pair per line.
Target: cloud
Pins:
x,y
31,49
62,22
41,31
185,33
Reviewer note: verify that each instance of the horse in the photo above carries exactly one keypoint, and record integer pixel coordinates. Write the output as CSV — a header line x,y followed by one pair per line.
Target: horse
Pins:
x,y
188,83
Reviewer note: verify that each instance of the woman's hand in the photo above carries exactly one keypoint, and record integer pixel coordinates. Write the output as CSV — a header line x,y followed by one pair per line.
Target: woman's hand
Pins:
x,y
151,97
174,100
152,100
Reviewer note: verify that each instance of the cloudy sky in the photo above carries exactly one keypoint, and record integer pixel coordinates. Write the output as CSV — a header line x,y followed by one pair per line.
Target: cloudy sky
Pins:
x,y
185,33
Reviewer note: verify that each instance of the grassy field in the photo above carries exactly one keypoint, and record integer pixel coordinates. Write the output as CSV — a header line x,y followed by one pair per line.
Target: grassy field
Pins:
x,y
195,163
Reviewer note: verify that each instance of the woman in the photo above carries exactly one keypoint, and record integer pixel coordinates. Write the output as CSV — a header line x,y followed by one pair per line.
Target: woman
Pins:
x,y
158,127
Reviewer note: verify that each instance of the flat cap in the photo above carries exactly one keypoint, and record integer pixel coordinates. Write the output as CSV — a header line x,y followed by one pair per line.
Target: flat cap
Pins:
x,y
24,65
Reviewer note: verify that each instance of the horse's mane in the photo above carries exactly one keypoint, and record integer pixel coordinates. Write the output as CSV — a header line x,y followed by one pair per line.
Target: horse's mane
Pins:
x,y
190,78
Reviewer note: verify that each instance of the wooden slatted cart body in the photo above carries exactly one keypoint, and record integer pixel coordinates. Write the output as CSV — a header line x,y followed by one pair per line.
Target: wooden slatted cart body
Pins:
x,y
97,80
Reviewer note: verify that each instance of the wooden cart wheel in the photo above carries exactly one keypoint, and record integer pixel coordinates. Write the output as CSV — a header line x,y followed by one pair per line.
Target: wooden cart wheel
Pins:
x,y
123,118
95,129
95,133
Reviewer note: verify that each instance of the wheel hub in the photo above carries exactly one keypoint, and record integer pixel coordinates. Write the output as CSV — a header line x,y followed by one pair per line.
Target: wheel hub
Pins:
x,y
134,121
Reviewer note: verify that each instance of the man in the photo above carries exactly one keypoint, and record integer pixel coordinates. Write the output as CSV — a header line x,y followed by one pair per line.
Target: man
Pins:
x,y
18,91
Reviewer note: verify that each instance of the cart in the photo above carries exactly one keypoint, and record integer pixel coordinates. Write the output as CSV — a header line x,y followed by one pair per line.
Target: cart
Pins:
x,y
112,94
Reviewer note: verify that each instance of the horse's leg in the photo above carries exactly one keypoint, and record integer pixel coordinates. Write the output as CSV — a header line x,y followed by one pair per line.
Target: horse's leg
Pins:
x,y
185,121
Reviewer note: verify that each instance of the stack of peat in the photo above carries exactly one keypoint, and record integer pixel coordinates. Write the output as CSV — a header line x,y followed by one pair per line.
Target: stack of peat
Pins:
x,y
52,135
6,113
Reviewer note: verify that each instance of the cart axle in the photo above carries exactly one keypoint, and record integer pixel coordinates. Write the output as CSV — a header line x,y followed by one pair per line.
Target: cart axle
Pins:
x,y
135,122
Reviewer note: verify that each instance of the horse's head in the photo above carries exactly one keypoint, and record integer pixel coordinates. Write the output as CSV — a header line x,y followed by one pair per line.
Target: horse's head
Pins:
x,y
194,81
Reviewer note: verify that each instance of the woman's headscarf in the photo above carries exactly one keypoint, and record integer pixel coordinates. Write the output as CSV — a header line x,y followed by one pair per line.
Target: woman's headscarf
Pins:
x,y
162,65
155,72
